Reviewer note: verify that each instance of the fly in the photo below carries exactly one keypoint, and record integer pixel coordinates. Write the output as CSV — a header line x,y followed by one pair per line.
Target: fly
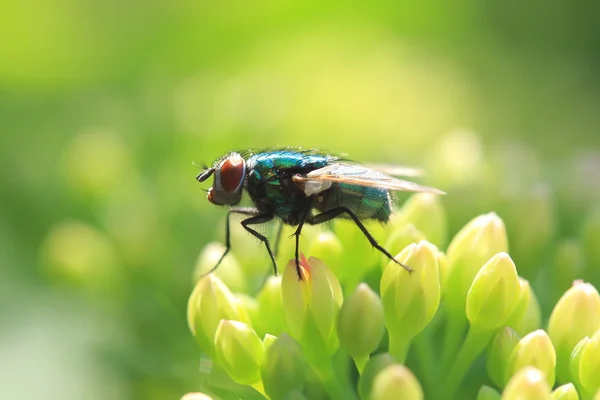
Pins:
x,y
304,187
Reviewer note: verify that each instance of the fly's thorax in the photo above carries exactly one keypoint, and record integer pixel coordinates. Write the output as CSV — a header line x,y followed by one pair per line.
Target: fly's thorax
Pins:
x,y
228,185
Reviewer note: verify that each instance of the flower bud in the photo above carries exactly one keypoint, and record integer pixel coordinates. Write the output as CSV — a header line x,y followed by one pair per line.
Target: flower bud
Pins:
x,y
268,340
425,212
269,317
498,354
328,248
410,300
575,359
589,364
399,239
396,382
283,367
239,351
359,257
575,316
229,270
311,305
493,294
535,350
472,247
526,317
565,392
196,396
375,365
527,384
209,303
488,393
360,324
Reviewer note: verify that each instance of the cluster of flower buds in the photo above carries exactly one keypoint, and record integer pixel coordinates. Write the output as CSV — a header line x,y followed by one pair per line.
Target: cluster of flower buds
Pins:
x,y
358,326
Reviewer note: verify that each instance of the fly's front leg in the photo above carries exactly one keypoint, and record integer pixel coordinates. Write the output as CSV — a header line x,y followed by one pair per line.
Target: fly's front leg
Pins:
x,y
259,219
236,210
335,212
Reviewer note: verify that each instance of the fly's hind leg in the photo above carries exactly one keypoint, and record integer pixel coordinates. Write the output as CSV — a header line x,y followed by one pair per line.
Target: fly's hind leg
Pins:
x,y
335,212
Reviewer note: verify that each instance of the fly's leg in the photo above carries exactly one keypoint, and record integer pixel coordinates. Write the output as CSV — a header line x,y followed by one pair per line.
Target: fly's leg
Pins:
x,y
297,234
335,212
237,210
259,219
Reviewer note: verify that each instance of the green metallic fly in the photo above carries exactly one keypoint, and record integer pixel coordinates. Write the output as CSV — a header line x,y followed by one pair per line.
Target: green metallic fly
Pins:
x,y
303,187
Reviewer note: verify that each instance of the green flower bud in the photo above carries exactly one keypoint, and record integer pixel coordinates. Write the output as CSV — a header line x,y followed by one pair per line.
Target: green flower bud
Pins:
x,y
527,316
396,382
360,324
328,248
196,396
425,212
575,316
535,350
283,368
493,294
574,361
488,393
527,384
589,364
444,267
229,270
239,351
359,257
210,302
498,354
399,239
565,392
269,317
373,367
311,306
410,300
268,340
472,247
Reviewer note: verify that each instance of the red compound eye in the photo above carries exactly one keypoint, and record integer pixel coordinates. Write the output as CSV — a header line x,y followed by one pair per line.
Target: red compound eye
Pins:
x,y
232,173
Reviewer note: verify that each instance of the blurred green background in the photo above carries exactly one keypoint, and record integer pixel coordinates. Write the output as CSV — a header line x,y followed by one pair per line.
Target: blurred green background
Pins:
x,y
105,105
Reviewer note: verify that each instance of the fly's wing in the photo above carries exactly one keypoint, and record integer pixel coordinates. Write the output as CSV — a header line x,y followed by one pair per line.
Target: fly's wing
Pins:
x,y
360,175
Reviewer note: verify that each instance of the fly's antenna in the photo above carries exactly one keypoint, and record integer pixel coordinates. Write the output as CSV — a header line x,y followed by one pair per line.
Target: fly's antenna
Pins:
x,y
205,174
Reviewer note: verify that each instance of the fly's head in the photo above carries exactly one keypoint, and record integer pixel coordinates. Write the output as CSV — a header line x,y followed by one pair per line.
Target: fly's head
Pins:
x,y
228,185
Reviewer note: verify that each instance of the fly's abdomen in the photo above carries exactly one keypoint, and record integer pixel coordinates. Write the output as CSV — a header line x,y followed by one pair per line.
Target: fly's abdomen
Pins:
x,y
365,202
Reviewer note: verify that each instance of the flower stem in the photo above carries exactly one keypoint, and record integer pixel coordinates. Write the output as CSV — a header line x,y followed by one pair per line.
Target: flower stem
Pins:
x,y
454,331
398,347
328,378
473,345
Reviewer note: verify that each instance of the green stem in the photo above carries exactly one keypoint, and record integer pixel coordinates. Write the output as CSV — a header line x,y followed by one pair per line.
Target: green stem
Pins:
x,y
452,337
424,350
328,378
473,345
398,346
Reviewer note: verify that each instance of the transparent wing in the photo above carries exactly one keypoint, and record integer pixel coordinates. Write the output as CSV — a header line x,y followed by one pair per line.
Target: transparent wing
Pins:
x,y
396,170
355,174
